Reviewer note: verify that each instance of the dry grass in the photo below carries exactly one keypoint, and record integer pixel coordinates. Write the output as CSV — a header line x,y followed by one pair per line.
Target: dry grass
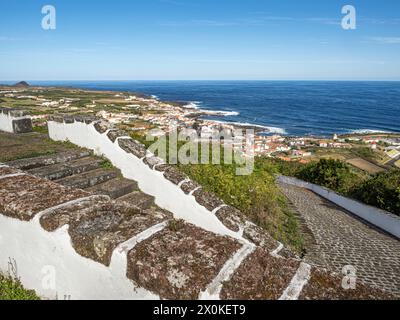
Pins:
x,y
365,165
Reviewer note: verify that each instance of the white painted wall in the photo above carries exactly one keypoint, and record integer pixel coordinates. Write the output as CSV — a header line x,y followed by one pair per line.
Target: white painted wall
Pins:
x,y
379,218
39,255
6,122
167,195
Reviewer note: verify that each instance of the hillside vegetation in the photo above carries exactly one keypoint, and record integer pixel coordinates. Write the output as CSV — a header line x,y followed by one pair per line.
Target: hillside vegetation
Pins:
x,y
11,289
256,195
381,190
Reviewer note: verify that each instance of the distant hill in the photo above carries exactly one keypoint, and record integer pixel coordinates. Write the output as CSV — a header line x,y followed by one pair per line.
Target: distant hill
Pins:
x,y
22,84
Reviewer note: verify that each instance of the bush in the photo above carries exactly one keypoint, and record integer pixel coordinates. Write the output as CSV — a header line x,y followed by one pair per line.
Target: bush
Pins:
x,y
11,289
366,153
382,191
329,173
256,195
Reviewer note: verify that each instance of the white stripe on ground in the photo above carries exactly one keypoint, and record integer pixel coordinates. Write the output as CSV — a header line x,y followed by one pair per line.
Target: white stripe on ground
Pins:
x,y
157,165
193,191
275,253
219,208
182,182
123,138
119,258
298,282
214,288
13,175
67,204
131,243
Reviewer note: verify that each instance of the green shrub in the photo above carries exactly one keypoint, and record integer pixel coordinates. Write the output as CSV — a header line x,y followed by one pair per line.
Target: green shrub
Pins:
x,y
329,173
256,195
382,191
11,289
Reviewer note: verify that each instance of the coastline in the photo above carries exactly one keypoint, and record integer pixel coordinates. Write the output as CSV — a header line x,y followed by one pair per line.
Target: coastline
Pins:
x,y
208,116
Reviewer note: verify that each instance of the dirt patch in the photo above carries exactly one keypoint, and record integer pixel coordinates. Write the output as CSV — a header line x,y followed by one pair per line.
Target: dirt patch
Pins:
x,y
365,165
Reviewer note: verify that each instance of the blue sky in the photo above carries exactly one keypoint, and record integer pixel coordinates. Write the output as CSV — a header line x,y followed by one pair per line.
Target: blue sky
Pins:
x,y
199,39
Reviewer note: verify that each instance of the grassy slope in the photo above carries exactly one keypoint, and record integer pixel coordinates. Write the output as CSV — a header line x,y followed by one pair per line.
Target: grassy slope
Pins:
x,y
29,146
255,195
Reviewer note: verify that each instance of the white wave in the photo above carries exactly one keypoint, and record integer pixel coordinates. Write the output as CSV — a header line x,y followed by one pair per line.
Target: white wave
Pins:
x,y
193,105
220,112
276,130
154,97
368,131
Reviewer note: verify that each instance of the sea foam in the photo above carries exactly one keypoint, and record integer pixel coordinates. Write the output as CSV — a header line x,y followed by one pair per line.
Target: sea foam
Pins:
x,y
368,131
269,129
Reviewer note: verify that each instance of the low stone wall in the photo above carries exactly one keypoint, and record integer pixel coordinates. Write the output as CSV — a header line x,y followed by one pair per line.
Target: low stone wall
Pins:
x,y
14,121
379,218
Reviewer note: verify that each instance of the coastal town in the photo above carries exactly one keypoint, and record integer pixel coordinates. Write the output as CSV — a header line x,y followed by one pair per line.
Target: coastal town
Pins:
x,y
141,115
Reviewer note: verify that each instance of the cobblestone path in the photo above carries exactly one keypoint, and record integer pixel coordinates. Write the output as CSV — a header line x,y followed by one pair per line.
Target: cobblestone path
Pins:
x,y
340,239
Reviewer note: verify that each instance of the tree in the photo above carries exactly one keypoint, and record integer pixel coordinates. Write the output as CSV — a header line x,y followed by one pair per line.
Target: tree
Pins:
x,y
333,174
382,191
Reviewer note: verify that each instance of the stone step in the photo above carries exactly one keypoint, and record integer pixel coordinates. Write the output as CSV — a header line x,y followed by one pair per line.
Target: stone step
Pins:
x,y
89,179
138,199
98,226
260,277
180,261
22,197
62,157
4,171
63,170
114,188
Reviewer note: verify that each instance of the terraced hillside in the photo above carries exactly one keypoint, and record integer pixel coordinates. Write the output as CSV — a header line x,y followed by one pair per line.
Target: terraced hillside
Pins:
x,y
108,239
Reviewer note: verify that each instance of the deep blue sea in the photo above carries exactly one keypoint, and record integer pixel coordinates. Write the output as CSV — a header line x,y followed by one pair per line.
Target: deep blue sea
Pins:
x,y
290,107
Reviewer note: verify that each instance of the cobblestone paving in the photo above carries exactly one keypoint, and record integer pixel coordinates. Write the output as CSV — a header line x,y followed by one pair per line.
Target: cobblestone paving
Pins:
x,y
341,240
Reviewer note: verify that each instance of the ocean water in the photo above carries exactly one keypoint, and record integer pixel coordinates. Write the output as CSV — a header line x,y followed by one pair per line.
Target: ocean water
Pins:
x,y
287,107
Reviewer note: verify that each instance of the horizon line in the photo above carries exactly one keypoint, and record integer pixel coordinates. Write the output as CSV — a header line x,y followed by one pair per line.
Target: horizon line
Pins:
x,y
208,80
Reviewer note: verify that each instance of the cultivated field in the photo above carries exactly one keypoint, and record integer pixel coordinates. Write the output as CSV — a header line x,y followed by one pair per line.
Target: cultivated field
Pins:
x,y
365,165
